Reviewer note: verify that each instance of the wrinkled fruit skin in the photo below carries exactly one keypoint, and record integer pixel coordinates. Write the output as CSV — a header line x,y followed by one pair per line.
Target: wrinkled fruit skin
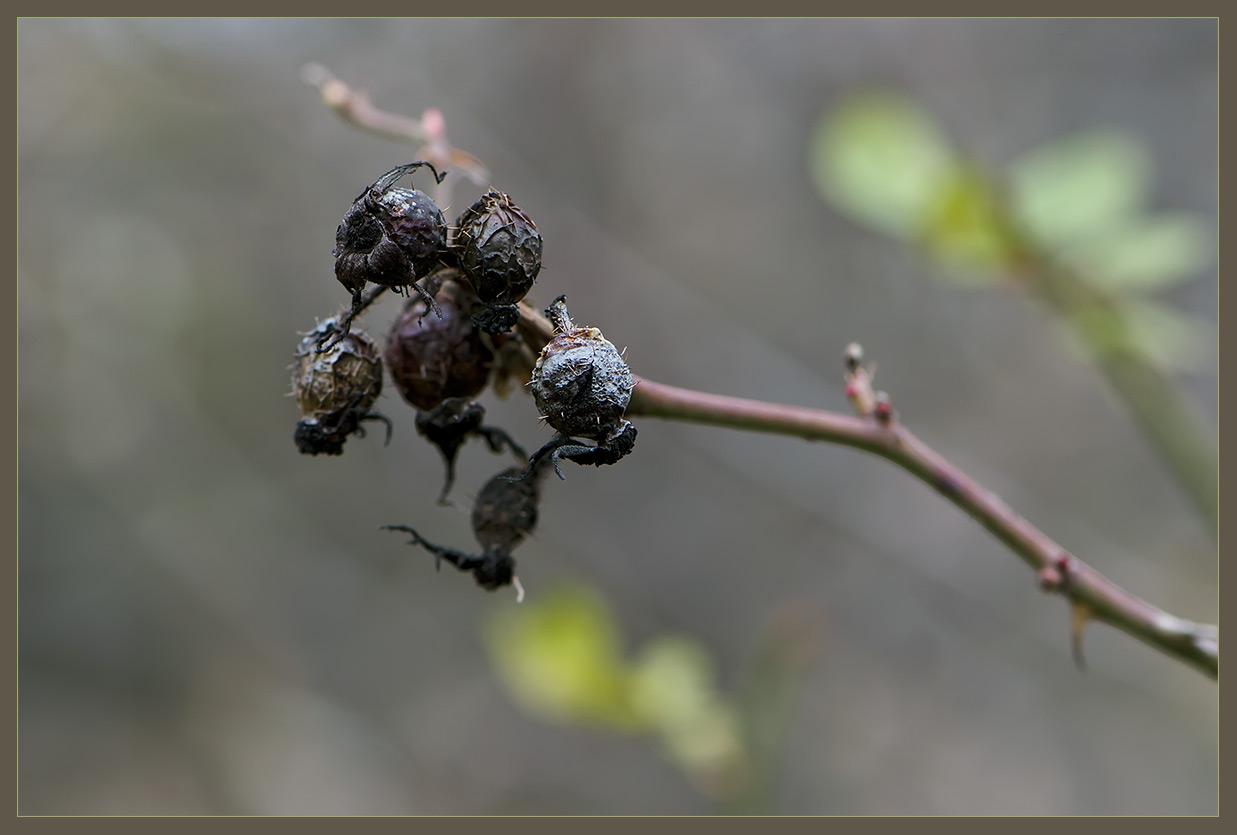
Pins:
x,y
505,512
432,359
499,249
390,236
582,384
333,389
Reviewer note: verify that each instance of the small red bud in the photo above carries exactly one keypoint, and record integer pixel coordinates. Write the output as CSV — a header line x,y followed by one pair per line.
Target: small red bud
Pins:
x,y
884,409
1049,578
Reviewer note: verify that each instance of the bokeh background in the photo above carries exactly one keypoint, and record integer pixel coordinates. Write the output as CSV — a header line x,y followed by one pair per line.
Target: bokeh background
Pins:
x,y
211,623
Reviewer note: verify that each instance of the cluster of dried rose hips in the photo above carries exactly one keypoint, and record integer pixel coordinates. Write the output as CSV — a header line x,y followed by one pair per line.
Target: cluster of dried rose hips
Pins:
x,y
455,337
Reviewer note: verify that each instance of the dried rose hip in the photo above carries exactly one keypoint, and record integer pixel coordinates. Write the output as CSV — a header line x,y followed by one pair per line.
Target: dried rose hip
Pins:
x,y
505,512
334,389
504,515
499,249
582,386
390,236
433,359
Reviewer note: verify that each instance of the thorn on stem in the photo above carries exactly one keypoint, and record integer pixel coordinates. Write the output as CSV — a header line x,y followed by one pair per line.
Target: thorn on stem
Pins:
x,y
1081,615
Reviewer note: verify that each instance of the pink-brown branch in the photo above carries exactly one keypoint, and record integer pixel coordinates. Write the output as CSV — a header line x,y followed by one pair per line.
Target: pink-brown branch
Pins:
x,y
1195,644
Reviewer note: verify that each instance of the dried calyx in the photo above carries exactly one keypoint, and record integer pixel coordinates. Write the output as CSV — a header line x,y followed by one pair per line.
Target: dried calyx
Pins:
x,y
432,359
449,425
335,389
499,249
390,236
582,386
504,515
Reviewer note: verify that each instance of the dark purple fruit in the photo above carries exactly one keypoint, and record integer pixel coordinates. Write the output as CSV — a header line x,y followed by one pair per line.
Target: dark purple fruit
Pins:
x,y
390,236
433,359
504,515
505,512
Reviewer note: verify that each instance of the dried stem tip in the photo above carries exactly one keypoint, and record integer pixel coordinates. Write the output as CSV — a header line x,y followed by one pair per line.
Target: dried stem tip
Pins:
x,y
558,316
853,357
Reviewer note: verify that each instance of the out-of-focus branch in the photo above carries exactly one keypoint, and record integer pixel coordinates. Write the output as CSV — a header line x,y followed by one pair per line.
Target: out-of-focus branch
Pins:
x,y
429,133
1171,423
876,430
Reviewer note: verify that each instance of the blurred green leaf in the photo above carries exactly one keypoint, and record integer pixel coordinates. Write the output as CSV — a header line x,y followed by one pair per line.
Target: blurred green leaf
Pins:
x,y
560,658
963,228
1146,255
1169,338
672,682
1080,186
880,158
1157,333
673,687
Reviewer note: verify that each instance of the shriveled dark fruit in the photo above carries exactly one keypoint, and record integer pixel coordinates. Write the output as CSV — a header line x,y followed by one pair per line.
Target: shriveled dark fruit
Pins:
x,y
335,388
499,249
389,236
581,383
433,359
451,424
582,386
505,512
503,516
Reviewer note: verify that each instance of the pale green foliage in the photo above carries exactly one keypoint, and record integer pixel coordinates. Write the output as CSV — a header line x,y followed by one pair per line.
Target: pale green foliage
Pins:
x,y
882,160
1079,202
560,658
1146,255
1085,185
673,686
962,228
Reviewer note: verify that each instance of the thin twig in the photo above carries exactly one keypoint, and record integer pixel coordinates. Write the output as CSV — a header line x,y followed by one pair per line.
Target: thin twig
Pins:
x,y
428,132
1192,643
1058,571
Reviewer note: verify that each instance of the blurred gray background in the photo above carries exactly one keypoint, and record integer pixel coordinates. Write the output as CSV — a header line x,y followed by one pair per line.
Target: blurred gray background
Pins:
x,y
211,623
